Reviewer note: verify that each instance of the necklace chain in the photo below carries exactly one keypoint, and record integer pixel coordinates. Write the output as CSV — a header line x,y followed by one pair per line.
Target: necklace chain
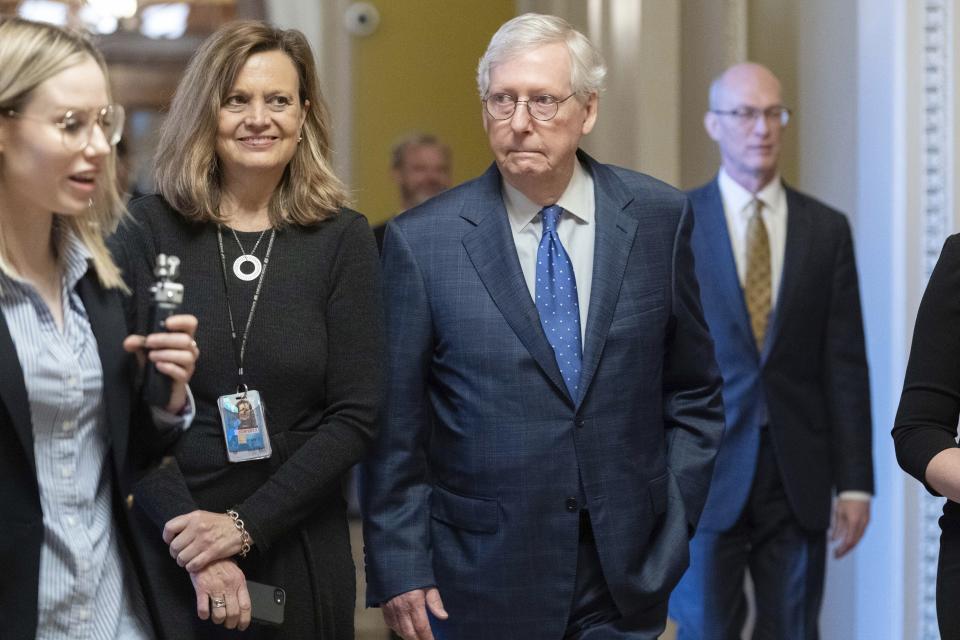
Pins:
x,y
255,245
240,350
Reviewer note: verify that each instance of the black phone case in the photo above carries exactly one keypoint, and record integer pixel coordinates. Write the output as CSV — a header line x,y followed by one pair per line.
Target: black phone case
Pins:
x,y
267,602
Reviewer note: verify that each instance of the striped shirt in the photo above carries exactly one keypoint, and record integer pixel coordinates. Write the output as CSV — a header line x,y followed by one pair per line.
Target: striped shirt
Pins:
x,y
87,591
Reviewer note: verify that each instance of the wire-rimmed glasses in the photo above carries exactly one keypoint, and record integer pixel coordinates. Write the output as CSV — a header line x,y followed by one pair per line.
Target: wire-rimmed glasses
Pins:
x,y
501,106
745,117
76,125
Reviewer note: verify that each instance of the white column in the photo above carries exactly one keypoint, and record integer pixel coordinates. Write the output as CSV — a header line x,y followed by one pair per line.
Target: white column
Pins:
x,y
639,122
906,149
323,24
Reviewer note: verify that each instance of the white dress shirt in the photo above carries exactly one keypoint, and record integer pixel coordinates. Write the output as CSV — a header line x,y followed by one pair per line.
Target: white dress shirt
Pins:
x,y
738,207
576,229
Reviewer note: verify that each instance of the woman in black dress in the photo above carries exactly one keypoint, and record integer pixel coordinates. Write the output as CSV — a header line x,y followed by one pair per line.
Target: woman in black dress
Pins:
x,y
925,432
284,280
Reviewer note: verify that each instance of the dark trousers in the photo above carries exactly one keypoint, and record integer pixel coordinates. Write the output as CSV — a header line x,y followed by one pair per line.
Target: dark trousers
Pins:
x,y
786,563
593,614
948,580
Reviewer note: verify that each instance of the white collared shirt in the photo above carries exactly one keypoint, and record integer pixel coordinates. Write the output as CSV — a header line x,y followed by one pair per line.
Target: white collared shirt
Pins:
x,y
738,207
576,229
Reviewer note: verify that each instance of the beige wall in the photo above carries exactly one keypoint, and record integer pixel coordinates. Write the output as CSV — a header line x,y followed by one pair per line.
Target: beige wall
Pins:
x,y
716,34
639,122
704,55
418,72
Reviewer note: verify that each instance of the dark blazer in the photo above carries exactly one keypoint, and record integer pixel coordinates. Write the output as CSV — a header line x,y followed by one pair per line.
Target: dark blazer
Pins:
x,y
485,460
132,435
808,383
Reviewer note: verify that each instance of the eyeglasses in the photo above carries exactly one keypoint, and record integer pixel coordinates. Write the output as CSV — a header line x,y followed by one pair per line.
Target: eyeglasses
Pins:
x,y
76,126
501,106
745,117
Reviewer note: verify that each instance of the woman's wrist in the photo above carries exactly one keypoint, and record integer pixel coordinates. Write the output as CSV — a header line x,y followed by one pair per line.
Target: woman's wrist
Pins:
x,y
246,542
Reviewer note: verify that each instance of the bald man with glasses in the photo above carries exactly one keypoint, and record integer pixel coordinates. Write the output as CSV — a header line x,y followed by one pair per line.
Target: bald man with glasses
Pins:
x,y
780,294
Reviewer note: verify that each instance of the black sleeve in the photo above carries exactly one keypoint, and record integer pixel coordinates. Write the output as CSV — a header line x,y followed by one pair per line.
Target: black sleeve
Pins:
x,y
134,251
926,421
847,375
160,489
692,403
355,355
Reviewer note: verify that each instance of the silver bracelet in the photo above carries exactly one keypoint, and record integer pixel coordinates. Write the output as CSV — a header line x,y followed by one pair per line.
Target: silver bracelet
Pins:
x,y
244,536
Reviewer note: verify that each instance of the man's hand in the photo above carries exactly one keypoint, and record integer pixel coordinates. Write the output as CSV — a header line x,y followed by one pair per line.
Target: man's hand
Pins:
x,y
407,615
222,595
200,537
174,352
850,518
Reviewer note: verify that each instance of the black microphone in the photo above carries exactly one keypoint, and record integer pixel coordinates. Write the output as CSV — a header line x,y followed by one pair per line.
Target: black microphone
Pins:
x,y
166,296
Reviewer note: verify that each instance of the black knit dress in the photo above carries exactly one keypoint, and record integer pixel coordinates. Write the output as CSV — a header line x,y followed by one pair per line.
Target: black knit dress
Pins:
x,y
926,421
314,352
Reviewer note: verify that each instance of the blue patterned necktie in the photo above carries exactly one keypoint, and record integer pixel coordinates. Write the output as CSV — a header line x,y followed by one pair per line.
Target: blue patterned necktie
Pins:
x,y
556,294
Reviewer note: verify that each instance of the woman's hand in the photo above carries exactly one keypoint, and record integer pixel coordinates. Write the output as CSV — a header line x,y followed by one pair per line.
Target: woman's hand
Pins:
x,y
222,595
199,538
174,352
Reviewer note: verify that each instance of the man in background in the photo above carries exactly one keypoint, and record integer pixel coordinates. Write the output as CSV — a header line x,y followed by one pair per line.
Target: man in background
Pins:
x,y
422,167
779,290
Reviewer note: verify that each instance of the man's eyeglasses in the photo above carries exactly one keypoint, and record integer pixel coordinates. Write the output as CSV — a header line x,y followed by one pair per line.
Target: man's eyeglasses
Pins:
x,y
501,106
76,126
745,117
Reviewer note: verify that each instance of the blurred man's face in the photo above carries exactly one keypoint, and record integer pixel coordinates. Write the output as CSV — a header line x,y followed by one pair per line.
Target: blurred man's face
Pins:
x,y
423,173
749,148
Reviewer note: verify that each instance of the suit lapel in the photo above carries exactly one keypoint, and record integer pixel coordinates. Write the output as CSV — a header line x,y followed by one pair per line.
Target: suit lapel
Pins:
x,y
617,215
794,256
712,220
13,392
493,253
109,329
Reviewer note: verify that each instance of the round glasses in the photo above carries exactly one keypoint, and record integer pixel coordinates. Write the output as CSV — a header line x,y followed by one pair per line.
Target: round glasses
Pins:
x,y
76,126
746,117
501,106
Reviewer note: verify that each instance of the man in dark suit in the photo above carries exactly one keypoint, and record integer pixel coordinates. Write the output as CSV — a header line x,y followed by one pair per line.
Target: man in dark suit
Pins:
x,y
554,405
780,293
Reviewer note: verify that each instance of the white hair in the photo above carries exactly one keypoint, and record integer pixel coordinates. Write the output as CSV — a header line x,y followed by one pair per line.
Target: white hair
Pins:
x,y
531,30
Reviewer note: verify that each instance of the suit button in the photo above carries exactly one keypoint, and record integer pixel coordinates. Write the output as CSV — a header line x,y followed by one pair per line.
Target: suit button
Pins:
x,y
580,422
572,505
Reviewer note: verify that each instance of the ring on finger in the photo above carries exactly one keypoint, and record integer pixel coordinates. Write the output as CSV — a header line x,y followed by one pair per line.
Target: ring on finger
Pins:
x,y
219,602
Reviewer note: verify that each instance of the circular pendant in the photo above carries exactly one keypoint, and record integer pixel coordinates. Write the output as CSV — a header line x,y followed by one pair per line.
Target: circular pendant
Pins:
x,y
246,258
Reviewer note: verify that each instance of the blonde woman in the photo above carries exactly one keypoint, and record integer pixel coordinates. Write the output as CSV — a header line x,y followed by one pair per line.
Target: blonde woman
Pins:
x,y
284,279
71,429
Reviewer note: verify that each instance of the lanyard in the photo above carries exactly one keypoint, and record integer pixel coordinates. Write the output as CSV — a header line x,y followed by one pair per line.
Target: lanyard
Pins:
x,y
239,350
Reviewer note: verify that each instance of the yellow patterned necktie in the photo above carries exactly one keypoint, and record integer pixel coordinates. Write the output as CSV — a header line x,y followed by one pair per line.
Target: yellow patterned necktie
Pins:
x,y
757,287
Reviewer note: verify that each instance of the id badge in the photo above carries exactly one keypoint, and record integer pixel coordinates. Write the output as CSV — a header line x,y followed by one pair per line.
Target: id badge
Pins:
x,y
244,426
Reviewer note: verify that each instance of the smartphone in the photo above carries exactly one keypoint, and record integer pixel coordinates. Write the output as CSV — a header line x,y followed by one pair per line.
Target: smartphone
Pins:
x,y
267,602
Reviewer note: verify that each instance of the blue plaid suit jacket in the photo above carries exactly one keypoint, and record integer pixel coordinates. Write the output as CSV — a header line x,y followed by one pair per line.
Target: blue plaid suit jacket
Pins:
x,y
469,485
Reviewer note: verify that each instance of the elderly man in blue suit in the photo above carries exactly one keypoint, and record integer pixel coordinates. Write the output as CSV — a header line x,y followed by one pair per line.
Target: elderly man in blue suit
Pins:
x,y
554,405
781,297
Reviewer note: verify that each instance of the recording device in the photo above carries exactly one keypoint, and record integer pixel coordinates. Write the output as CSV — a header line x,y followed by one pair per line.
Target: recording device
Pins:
x,y
166,296
266,602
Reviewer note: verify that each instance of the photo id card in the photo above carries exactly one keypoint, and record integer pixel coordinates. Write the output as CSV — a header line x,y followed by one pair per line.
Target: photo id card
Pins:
x,y
244,426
